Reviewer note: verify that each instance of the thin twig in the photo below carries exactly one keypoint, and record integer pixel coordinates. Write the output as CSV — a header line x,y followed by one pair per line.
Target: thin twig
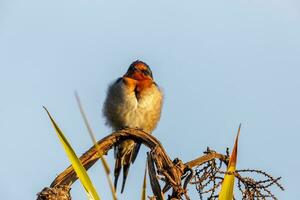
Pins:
x,y
92,135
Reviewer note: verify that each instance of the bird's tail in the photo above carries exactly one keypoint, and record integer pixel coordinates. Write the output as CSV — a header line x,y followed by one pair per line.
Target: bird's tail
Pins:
x,y
125,154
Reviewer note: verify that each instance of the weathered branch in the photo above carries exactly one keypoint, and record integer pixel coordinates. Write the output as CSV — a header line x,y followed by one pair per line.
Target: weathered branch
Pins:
x,y
88,159
176,174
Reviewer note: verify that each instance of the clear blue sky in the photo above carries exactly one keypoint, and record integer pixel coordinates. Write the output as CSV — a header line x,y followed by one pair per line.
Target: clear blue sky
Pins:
x,y
219,62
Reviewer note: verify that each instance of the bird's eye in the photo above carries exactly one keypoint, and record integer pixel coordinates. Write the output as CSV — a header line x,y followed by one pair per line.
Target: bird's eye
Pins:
x,y
146,72
132,68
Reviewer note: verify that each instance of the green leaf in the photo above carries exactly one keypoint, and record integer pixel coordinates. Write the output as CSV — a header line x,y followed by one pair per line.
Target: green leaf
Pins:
x,y
77,165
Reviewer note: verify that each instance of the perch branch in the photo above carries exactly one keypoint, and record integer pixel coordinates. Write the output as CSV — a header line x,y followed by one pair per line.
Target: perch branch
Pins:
x,y
175,174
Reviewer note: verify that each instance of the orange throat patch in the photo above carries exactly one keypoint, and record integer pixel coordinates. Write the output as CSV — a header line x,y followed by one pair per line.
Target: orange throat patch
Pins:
x,y
138,86
143,84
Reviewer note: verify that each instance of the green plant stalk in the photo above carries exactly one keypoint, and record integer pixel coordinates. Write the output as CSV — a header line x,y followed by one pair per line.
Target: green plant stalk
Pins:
x,y
144,188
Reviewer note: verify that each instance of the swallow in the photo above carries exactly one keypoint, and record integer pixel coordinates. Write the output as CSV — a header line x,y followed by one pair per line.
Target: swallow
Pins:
x,y
132,101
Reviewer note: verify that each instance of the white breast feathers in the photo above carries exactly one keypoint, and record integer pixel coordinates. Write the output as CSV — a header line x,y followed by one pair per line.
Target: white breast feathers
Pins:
x,y
124,108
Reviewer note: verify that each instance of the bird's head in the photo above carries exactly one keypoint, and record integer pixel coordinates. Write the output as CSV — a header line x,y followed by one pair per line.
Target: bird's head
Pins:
x,y
139,71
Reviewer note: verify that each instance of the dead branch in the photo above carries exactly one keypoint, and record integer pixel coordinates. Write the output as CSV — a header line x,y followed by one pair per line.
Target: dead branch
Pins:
x,y
176,174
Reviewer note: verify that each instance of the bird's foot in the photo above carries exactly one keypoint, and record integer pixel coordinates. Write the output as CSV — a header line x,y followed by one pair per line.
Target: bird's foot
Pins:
x,y
124,127
140,129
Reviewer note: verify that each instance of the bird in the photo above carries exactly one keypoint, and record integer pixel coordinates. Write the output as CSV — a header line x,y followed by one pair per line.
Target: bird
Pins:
x,y
132,101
